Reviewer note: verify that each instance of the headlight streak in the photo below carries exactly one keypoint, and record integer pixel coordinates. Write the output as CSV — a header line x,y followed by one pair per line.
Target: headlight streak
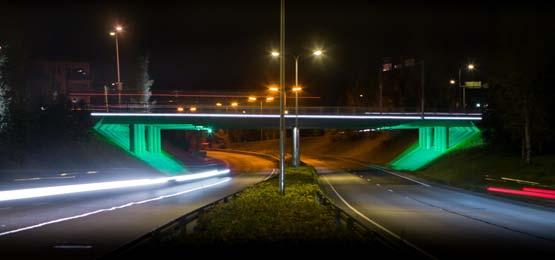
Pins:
x,y
75,188
113,208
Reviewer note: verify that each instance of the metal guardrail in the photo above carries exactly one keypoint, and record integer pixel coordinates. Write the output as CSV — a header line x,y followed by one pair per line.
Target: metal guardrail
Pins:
x,y
187,224
253,109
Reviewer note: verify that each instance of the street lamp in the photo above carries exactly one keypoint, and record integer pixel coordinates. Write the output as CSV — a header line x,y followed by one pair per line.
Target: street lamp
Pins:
x,y
273,88
296,146
117,29
452,82
296,90
468,67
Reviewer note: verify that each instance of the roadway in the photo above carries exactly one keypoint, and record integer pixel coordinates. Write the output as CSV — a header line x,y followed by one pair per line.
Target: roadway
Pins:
x,y
91,224
438,221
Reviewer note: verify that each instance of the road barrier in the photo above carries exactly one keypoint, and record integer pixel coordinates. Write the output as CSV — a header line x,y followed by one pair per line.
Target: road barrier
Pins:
x,y
185,223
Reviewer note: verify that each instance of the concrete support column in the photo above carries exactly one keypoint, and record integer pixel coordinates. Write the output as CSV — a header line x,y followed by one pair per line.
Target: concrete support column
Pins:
x,y
425,137
137,138
296,147
154,139
441,138
132,138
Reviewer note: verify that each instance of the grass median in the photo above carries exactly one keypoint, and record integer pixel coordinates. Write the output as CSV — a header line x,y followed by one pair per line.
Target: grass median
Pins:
x,y
259,216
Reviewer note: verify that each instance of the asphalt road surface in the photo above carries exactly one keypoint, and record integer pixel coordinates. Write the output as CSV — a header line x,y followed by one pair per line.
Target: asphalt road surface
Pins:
x,y
435,220
90,224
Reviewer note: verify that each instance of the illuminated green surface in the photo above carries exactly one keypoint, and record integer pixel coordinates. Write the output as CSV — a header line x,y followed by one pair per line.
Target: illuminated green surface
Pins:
x,y
434,142
144,142
141,137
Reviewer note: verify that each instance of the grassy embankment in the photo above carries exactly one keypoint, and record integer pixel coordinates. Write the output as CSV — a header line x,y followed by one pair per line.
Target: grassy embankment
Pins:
x,y
468,168
87,154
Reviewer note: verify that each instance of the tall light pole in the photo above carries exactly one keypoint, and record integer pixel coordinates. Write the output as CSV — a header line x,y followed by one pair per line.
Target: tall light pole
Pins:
x,y
268,100
282,104
296,135
469,67
253,99
117,29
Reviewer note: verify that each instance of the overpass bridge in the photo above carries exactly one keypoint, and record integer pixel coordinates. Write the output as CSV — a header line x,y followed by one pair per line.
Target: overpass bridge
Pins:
x,y
139,133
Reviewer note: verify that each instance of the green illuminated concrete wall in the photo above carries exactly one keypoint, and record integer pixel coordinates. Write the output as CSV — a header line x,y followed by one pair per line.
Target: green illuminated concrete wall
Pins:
x,y
434,142
145,143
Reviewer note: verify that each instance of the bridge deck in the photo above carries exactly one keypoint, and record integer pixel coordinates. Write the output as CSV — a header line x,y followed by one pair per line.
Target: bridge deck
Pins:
x,y
305,121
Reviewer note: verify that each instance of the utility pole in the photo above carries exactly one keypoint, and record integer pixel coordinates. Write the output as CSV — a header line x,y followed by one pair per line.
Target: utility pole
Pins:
x,y
422,80
282,100
380,101
261,133
106,97
460,86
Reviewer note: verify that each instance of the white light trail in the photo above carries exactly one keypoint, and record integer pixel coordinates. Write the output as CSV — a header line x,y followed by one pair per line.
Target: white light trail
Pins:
x,y
113,208
97,186
451,118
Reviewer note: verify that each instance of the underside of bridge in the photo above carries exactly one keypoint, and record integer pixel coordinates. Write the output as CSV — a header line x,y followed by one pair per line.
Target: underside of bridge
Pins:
x,y
434,142
144,142
141,136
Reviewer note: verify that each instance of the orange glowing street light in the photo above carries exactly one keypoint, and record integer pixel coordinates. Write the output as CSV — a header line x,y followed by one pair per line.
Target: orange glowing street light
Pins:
x,y
193,109
180,109
218,104
252,98
269,99
234,104
297,88
273,88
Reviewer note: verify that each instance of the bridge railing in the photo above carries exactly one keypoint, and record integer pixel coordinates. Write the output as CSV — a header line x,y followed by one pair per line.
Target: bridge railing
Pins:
x,y
253,109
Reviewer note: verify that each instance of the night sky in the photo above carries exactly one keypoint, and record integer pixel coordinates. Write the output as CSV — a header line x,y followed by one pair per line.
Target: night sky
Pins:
x,y
217,45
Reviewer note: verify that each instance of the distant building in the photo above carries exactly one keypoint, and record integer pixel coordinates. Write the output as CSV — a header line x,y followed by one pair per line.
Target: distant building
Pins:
x,y
400,80
47,80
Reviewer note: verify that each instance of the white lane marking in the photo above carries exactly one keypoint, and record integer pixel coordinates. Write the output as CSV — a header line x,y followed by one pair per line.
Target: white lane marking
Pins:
x,y
375,223
113,208
72,246
398,175
387,171
390,190
271,174
45,178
